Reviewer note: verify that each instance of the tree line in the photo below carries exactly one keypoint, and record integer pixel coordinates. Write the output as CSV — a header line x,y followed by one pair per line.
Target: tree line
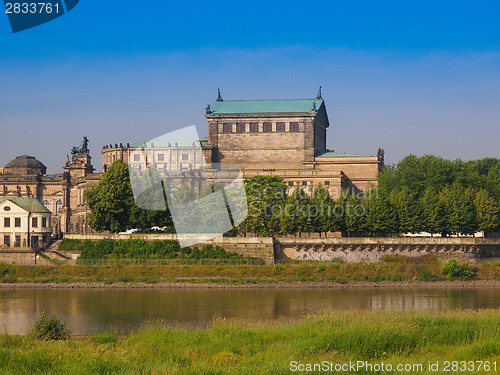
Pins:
x,y
419,194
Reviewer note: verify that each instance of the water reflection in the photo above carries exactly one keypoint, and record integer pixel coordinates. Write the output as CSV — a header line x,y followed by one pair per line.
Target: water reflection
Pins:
x,y
88,311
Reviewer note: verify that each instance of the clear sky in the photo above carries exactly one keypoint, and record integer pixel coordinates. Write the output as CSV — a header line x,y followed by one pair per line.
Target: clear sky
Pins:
x,y
410,77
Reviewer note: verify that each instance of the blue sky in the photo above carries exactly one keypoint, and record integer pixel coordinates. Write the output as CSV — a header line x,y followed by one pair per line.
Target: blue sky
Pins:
x,y
416,77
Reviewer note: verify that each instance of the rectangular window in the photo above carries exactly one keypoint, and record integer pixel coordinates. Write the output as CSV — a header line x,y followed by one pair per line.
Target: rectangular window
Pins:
x,y
17,222
240,128
6,222
137,157
227,128
290,183
161,157
294,126
18,241
34,222
327,183
185,157
44,222
304,183
6,241
267,127
280,126
254,127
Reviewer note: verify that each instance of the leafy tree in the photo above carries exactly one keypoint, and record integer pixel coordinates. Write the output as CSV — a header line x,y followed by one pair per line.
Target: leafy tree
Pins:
x,y
266,197
462,210
408,209
435,218
294,218
381,217
320,210
155,198
184,194
353,212
111,202
486,211
112,206
387,179
493,181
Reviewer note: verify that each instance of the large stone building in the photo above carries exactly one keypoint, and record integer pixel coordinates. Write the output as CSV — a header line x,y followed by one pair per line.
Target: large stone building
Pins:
x,y
261,137
61,194
266,137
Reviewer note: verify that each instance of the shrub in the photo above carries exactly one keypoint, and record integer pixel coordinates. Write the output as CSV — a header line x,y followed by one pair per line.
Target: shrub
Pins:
x,y
49,328
454,270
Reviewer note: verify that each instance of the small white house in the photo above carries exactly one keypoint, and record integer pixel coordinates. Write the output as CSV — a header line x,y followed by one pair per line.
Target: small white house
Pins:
x,y
24,222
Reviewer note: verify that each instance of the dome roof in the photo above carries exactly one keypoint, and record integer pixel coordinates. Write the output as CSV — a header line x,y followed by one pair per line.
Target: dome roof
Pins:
x,y
25,161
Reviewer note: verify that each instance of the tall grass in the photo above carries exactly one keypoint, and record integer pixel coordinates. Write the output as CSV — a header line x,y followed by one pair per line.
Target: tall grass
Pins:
x,y
426,268
235,347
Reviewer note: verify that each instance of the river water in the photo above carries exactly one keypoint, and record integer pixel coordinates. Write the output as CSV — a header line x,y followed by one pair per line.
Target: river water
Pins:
x,y
90,311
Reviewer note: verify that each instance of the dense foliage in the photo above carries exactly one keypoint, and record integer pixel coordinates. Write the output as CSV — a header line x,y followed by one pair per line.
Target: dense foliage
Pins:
x,y
443,196
49,328
140,249
454,270
427,194
419,194
113,208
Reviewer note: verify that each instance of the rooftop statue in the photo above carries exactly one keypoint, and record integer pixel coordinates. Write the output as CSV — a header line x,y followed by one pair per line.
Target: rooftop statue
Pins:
x,y
83,149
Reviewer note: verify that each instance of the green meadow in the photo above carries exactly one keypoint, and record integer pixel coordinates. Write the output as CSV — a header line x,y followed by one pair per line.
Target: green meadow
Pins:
x,y
335,338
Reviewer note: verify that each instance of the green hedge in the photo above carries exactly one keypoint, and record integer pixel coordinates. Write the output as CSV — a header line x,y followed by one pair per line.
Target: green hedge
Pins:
x,y
140,249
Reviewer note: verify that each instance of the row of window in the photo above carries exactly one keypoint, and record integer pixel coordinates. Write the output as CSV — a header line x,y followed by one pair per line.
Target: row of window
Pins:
x,y
59,205
6,241
161,157
17,243
267,127
17,222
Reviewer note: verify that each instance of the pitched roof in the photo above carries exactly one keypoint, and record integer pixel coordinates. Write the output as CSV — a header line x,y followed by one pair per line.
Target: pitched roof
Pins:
x,y
265,106
29,204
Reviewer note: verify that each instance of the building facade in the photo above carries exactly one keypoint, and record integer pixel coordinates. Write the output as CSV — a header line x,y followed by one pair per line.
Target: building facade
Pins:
x,y
24,222
261,137
265,137
61,194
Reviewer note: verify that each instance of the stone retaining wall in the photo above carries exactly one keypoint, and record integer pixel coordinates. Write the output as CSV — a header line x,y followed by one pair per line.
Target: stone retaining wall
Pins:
x,y
22,257
365,249
249,247
353,249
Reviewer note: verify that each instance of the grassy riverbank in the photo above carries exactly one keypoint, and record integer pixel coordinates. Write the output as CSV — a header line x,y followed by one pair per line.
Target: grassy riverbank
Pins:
x,y
426,268
232,347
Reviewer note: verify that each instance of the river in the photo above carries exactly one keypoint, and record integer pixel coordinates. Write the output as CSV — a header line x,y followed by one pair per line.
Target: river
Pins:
x,y
90,311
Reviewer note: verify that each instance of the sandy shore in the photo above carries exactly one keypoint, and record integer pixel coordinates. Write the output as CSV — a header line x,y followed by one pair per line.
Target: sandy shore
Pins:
x,y
281,285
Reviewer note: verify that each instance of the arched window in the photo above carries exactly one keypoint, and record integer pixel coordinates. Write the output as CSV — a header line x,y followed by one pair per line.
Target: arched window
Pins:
x,y
59,205
46,204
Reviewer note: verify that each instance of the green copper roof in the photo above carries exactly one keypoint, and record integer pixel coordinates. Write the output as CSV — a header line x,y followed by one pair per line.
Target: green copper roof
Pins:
x,y
337,155
29,204
265,106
